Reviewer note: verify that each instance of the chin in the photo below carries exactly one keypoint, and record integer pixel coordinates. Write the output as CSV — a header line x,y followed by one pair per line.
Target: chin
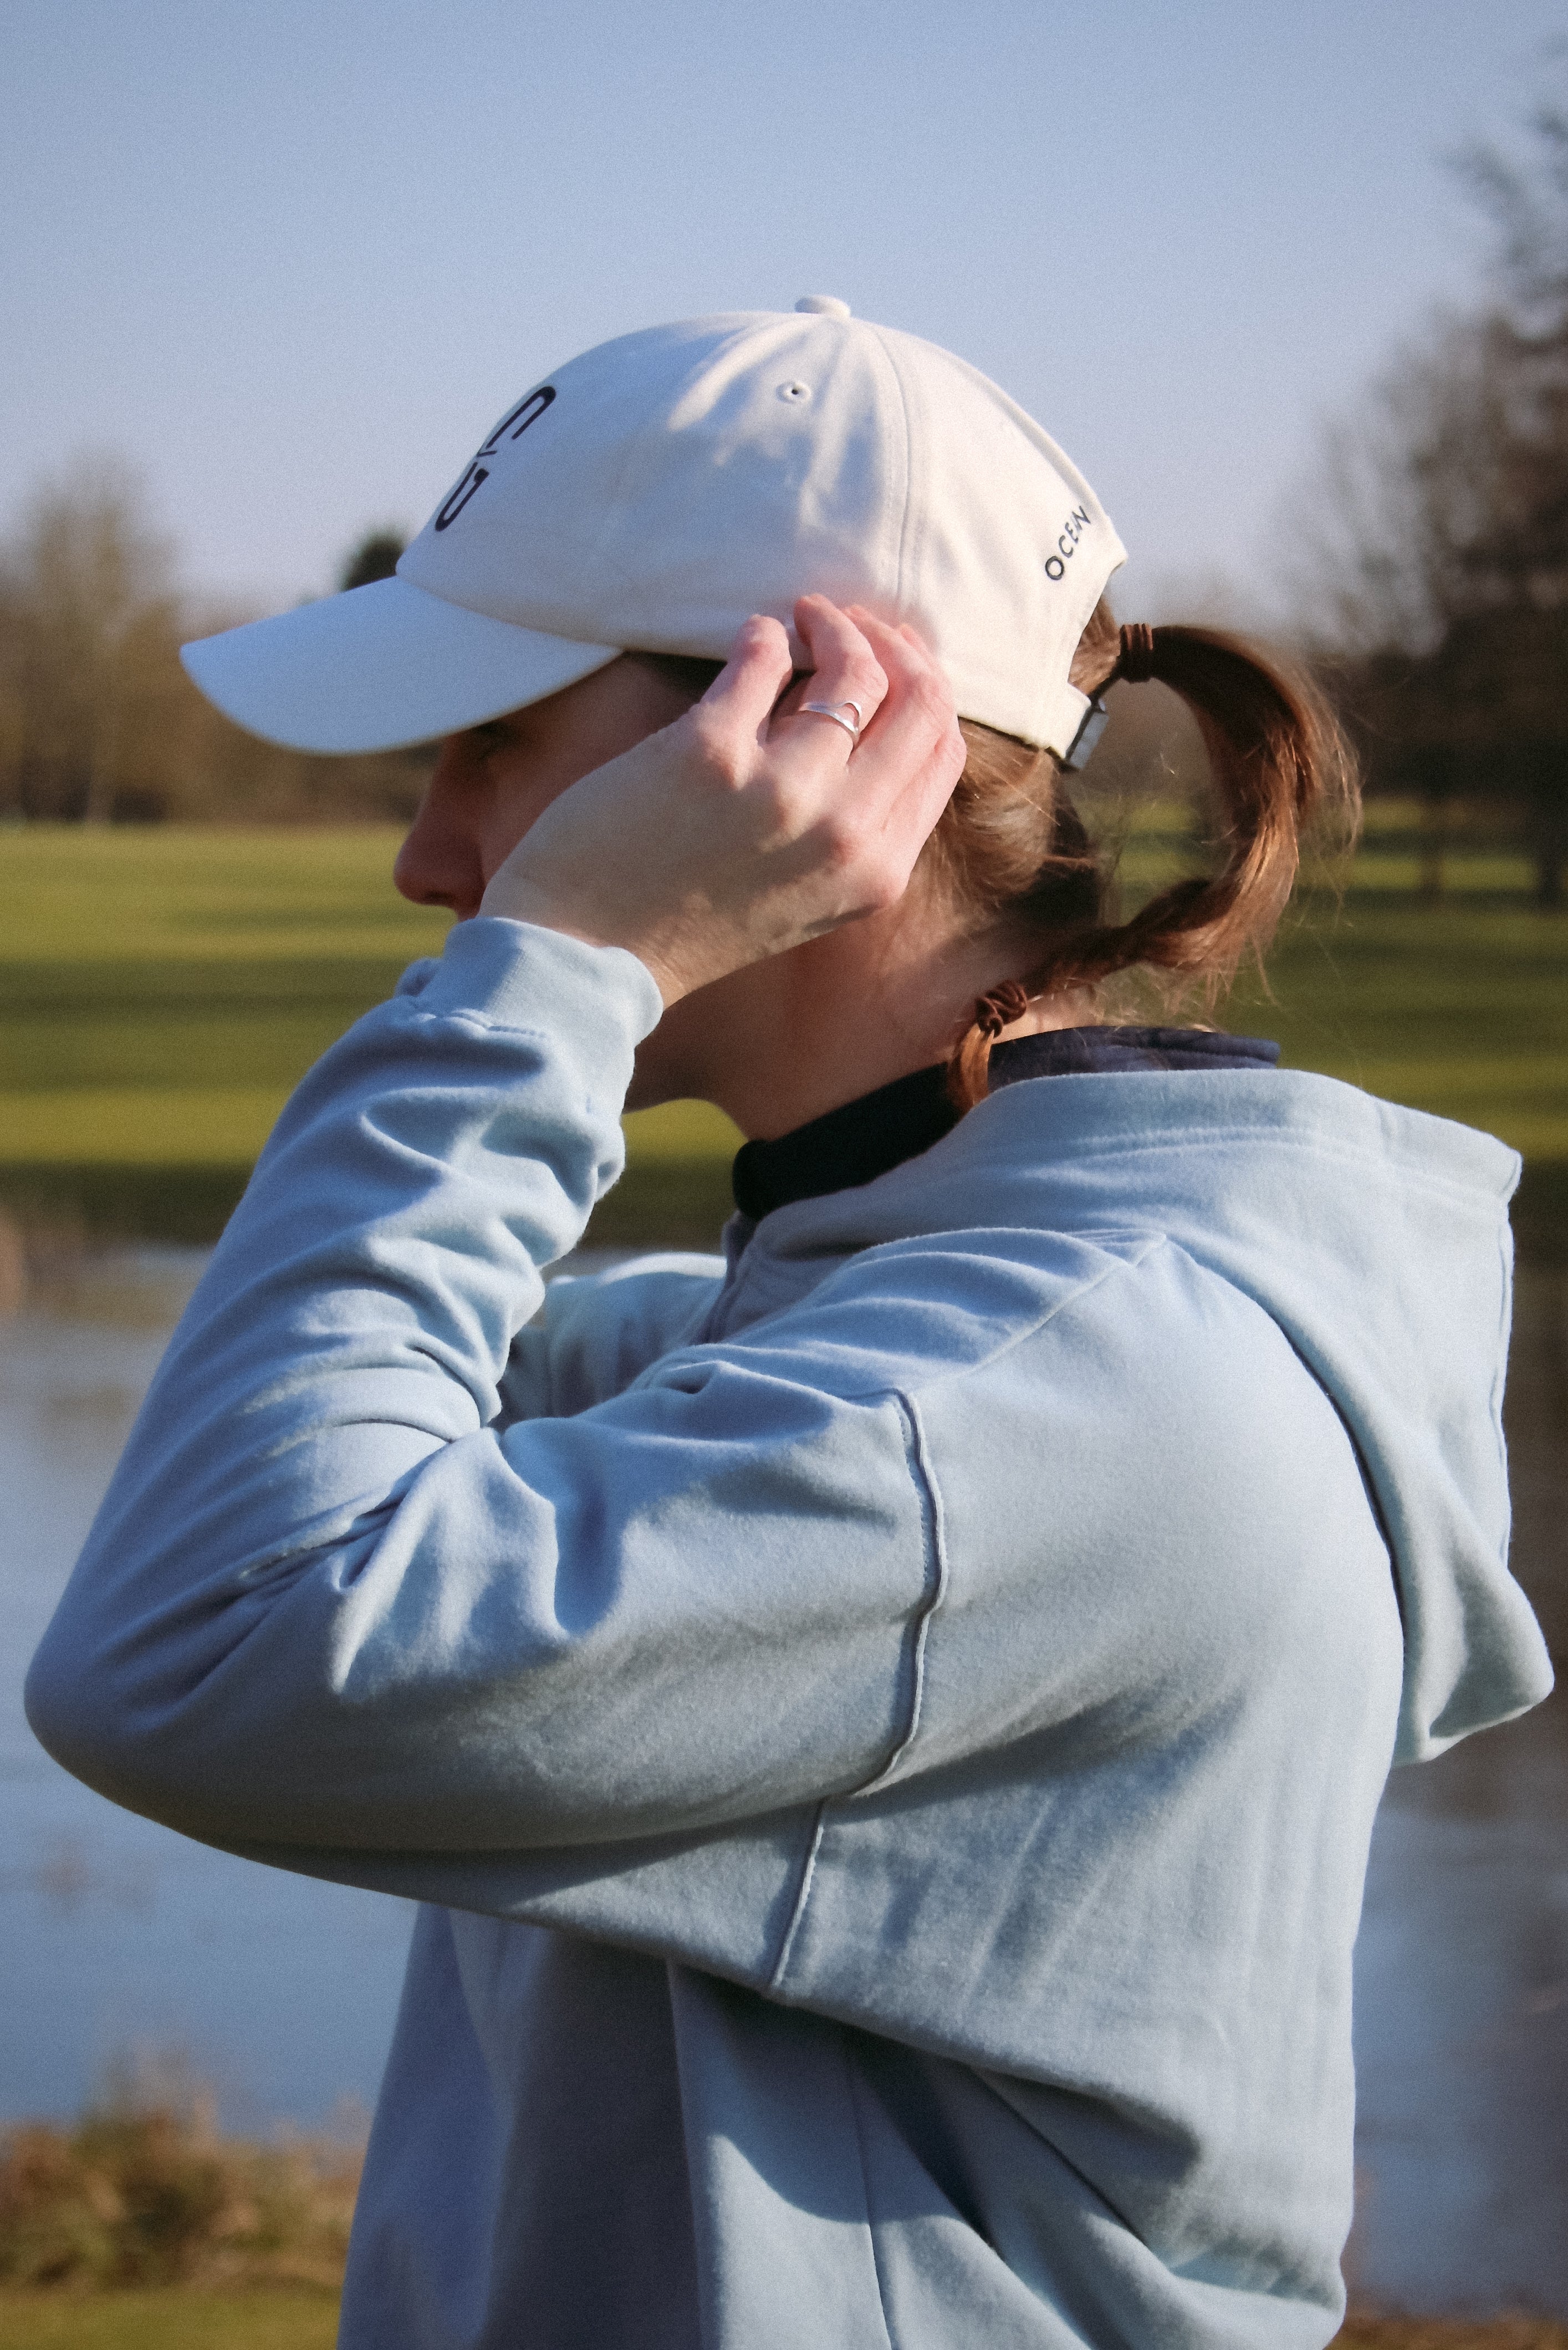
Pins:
x,y
670,1062
654,1079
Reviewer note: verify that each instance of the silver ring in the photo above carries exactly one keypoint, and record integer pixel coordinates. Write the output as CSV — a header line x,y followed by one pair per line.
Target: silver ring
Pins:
x,y
835,709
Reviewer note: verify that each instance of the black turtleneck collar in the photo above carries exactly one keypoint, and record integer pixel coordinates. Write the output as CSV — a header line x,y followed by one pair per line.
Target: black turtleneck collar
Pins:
x,y
866,1138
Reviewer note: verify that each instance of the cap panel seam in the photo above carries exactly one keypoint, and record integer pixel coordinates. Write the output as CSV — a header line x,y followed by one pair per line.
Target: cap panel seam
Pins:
x,y
1043,703
910,525
631,465
633,468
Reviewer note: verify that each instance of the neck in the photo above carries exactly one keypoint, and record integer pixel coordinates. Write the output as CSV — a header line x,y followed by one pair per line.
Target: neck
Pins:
x,y
782,1041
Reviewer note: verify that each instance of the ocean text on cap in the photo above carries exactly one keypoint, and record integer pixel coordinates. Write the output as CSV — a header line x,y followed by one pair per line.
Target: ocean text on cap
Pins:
x,y
1067,544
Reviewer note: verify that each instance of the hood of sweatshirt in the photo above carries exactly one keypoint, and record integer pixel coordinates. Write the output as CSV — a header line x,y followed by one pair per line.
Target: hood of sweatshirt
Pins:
x,y
1376,1238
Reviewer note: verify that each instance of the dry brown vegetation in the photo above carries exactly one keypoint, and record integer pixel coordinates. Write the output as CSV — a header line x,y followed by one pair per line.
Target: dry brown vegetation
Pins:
x,y
153,2196
137,2197
1517,2333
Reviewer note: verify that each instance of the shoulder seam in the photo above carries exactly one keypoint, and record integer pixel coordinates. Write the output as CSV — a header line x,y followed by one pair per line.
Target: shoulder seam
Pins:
x,y
923,1478
802,1893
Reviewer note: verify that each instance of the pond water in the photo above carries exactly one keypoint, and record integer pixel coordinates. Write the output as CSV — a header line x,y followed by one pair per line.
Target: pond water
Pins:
x,y
119,1939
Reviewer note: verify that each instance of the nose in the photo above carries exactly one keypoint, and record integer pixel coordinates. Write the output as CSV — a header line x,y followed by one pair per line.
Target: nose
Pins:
x,y
439,863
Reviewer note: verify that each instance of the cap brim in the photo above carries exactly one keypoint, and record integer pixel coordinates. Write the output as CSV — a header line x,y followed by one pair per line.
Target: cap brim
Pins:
x,y
380,667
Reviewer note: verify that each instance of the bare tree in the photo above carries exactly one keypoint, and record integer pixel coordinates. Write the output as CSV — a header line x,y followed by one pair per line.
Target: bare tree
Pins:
x,y
375,557
1518,553
98,720
1436,556
89,640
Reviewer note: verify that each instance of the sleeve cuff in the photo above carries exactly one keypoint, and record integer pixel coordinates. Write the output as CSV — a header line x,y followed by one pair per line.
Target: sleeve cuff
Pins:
x,y
517,975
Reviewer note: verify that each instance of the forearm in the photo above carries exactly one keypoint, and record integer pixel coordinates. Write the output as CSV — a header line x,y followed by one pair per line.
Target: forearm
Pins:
x,y
357,1318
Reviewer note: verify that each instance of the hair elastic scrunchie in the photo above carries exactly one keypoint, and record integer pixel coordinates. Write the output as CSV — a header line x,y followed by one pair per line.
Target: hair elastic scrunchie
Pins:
x,y
1135,663
1000,1007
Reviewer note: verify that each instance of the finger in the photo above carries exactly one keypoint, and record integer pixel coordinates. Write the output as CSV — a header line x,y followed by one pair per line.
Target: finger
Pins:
x,y
918,715
904,633
905,628
758,670
917,810
843,669
904,818
911,666
905,767
920,807
906,644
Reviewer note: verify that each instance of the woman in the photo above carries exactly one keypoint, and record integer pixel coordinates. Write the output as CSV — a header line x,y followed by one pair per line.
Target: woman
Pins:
x,y
887,1727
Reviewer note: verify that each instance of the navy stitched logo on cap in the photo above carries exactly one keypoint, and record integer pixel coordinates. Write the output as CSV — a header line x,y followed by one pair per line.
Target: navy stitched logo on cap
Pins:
x,y
527,411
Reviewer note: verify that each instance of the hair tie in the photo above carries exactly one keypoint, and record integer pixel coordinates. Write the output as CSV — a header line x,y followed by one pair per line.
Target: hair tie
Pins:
x,y
1135,665
999,1008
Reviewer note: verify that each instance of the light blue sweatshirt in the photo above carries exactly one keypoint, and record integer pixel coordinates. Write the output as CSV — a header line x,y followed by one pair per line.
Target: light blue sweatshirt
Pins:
x,y
892,1726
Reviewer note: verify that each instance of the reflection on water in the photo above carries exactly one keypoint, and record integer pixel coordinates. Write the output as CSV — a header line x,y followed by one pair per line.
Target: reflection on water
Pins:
x,y
1463,1966
281,1991
117,1935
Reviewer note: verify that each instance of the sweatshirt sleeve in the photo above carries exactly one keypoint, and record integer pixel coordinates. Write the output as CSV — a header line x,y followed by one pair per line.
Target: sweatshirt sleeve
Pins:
x,y
336,1600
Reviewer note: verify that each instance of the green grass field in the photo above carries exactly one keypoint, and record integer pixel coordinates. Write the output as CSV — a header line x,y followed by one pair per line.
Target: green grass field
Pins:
x,y
162,989
169,2317
175,2318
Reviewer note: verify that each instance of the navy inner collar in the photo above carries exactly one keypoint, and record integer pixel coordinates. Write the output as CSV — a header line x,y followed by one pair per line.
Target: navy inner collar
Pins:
x,y
863,1139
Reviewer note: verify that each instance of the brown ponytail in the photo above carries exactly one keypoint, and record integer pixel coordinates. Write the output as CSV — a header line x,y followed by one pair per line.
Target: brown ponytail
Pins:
x,y
1278,761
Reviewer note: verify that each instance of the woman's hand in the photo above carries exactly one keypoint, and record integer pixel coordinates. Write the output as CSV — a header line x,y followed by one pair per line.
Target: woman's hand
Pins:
x,y
745,829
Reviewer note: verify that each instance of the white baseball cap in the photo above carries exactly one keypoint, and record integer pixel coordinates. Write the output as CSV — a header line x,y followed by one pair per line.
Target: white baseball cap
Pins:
x,y
653,493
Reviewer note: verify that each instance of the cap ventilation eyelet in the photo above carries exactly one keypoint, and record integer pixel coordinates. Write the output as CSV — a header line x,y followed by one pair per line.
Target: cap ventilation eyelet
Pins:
x,y
795,391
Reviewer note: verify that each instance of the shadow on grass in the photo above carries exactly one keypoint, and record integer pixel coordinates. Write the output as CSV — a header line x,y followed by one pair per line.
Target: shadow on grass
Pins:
x,y
102,1204
666,1203
180,2318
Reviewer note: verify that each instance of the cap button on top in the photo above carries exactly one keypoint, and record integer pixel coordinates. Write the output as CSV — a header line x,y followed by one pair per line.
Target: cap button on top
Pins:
x,y
824,306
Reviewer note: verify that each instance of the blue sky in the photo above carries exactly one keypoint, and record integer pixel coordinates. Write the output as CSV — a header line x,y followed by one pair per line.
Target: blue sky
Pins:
x,y
293,259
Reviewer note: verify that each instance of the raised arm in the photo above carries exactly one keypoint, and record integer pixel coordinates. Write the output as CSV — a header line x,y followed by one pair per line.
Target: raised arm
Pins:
x,y
331,1598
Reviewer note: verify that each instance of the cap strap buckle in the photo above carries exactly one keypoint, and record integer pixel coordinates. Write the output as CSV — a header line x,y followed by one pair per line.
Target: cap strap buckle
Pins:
x,y
1078,752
